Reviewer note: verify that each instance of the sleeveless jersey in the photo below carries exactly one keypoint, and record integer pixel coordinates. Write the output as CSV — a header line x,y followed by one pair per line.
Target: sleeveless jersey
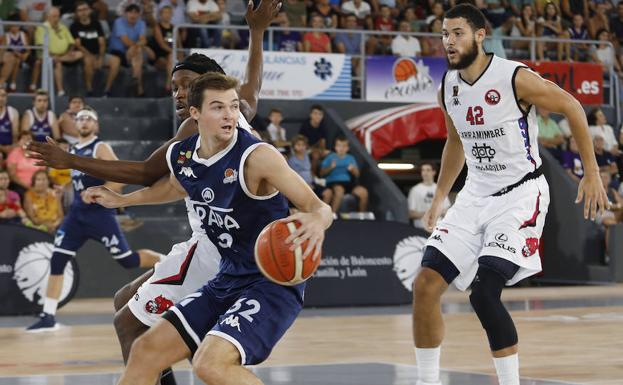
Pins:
x,y
499,138
6,127
193,219
16,42
230,215
81,181
40,128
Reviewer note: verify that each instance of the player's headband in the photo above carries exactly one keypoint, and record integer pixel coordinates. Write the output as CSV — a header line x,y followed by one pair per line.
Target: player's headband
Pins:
x,y
86,114
197,68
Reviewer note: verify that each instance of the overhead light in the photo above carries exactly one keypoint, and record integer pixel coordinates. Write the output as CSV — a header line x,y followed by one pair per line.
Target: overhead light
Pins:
x,y
396,166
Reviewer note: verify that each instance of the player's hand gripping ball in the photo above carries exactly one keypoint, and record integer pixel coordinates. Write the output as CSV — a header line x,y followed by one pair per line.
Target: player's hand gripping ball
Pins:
x,y
275,259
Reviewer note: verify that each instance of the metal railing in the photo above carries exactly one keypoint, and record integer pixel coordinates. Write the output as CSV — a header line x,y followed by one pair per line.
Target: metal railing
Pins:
x,y
612,79
47,69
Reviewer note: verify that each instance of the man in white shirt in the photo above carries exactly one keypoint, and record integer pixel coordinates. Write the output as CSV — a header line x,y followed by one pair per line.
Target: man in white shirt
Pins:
x,y
359,8
421,195
205,12
405,45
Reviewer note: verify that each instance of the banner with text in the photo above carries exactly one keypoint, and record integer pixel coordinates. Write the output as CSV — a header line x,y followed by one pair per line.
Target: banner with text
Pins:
x,y
582,80
292,75
403,79
367,263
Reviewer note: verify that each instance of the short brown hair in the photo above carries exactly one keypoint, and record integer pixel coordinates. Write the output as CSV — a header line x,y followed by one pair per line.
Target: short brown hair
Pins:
x,y
209,81
41,92
300,138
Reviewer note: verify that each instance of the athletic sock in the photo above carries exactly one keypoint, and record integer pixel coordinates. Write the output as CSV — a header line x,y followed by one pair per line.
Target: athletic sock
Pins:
x,y
507,369
50,305
167,377
427,361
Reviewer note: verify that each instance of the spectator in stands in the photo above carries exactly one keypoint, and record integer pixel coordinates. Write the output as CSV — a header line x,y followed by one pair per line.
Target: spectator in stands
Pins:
x,y
598,125
315,132
614,214
571,8
91,41
179,12
317,41
433,45
525,26
381,44
146,10
409,15
9,124
42,203
62,49
15,54
229,37
8,8
406,45
39,121
296,12
5,181
276,131
129,43
34,10
350,43
341,173
288,41
361,10
205,12
549,26
20,167
421,196
571,161
550,135
162,44
577,31
605,160
299,159
9,211
604,54
598,21
616,28
327,12
67,120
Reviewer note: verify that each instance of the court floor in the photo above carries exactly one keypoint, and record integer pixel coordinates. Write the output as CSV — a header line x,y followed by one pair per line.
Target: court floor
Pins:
x,y
568,335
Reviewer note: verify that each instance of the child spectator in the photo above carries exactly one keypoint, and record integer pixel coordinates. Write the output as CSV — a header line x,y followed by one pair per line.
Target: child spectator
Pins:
x,y
421,196
316,41
577,31
15,54
67,120
341,172
276,131
316,134
572,162
5,180
10,212
42,204
21,168
299,159
9,124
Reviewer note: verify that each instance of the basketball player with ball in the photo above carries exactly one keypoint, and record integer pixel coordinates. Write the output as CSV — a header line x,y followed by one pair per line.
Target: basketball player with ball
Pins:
x,y
490,237
235,184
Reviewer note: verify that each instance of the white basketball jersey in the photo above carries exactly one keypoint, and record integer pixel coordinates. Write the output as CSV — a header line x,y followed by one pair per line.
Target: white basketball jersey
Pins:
x,y
193,218
499,139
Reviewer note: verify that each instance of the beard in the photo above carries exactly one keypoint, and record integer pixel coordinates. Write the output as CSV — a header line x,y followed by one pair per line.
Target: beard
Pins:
x,y
465,60
85,133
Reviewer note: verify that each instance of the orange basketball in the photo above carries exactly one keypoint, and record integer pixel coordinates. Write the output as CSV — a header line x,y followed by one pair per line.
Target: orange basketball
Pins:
x,y
404,69
275,259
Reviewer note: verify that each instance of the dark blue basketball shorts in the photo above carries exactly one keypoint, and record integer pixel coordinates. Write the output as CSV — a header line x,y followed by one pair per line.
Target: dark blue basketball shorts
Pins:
x,y
252,313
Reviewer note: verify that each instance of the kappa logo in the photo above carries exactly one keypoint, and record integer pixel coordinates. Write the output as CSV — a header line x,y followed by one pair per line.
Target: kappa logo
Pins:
x,y
492,97
232,321
187,172
207,194
231,176
455,96
437,237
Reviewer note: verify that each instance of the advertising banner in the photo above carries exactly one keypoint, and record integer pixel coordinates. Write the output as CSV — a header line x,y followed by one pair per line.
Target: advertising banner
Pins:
x,y
24,270
367,263
582,80
403,79
292,75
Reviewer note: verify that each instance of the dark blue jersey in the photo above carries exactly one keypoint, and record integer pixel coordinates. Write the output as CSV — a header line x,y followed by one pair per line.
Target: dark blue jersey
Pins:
x,y
40,128
231,216
6,128
82,181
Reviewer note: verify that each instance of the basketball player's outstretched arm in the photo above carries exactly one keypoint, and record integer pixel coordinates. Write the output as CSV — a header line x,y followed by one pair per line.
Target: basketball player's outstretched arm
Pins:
x,y
452,161
532,89
266,166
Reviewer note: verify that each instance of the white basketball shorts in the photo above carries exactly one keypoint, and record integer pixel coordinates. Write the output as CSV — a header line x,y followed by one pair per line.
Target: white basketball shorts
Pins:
x,y
187,267
508,226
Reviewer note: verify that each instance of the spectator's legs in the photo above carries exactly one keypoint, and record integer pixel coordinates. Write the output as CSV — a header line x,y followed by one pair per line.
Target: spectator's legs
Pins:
x,y
9,61
36,71
135,57
315,155
362,194
58,77
566,46
89,69
205,38
327,196
13,85
114,62
338,195
539,50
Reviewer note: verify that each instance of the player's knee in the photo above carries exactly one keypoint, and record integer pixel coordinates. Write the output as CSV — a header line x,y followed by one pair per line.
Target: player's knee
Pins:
x,y
122,296
428,285
131,261
58,263
145,347
209,371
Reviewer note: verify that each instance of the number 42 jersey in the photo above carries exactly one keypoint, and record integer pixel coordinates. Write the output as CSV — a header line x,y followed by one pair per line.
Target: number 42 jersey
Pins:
x,y
231,216
499,138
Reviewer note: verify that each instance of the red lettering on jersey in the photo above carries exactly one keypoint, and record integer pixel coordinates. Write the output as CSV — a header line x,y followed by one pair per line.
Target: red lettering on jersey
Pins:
x,y
474,116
